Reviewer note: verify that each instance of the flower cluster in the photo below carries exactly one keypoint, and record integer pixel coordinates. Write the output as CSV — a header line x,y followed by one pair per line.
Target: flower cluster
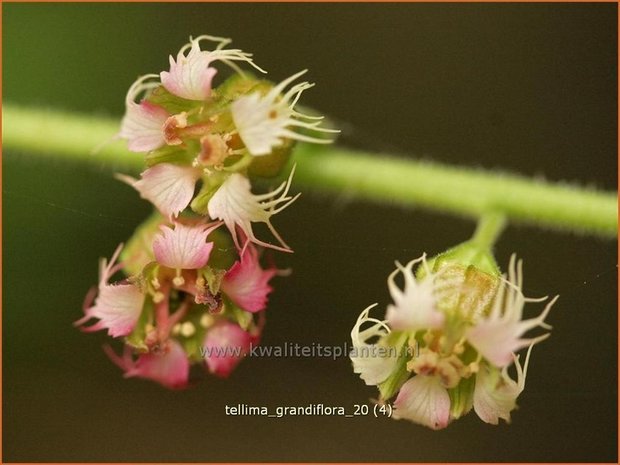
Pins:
x,y
448,340
196,291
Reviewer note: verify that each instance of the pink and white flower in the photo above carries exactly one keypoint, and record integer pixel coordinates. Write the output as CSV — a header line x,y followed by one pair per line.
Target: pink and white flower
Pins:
x,y
373,367
143,122
498,335
167,186
190,76
415,306
469,326
184,247
236,205
225,345
168,366
265,121
246,283
117,306
423,400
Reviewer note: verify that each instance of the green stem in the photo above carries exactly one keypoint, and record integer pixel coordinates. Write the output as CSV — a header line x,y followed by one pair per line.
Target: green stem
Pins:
x,y
457,190
488,230
336,170
68,135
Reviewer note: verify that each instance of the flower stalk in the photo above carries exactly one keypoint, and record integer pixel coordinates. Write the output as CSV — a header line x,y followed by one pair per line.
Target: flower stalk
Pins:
x,y
336,170
488,230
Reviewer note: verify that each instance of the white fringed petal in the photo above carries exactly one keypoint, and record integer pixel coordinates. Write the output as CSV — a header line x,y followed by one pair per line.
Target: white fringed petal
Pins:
x,y
265,121
235,204
498,335
372,366
167,186
414,306
495,394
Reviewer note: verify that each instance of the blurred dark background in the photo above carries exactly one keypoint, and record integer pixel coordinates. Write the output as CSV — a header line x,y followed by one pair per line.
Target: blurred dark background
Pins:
x,y
529,88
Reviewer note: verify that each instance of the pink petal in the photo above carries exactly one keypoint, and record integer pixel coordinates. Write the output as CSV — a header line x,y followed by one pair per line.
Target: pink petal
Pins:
x,y
423,400
142,126
169,187
118,308
496,340
190,76
169,368
184,247
495,394
246,283
224,347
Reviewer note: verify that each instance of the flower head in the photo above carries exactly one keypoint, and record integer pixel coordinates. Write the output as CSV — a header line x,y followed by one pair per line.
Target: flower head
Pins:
x,y
265,121
190,75
466,325
117,306
187,284
236,205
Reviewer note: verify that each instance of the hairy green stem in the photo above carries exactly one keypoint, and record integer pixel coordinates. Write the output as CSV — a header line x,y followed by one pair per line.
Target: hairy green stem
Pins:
x,y
336,170
462,191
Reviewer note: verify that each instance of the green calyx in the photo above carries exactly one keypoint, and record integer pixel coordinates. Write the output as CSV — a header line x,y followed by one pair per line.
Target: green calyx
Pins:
x,y
462,397
138,335
465,255
138,251
400,374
